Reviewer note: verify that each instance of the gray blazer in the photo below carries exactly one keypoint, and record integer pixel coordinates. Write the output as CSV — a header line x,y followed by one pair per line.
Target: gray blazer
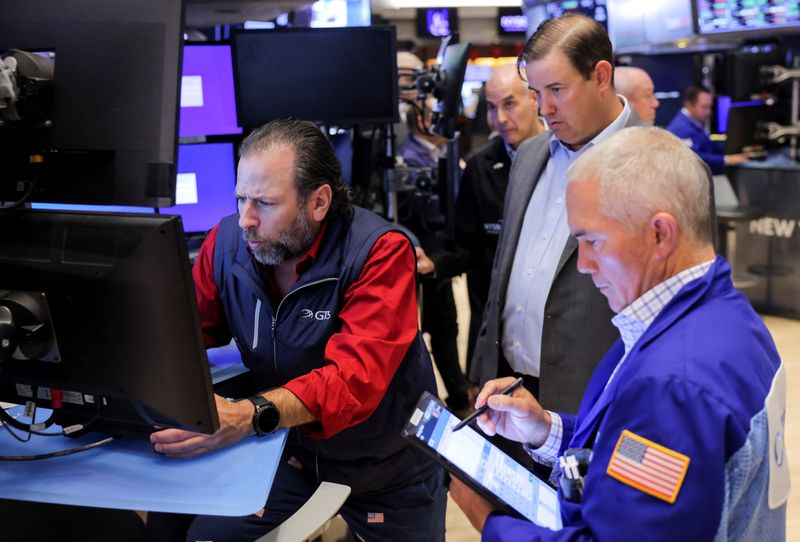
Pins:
x,y
577,327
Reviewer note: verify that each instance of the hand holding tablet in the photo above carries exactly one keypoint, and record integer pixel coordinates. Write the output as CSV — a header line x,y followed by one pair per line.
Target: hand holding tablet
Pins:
x,y
481,465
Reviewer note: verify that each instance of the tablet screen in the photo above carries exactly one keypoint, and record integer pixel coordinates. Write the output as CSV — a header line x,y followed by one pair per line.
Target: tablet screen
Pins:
x,y
473,455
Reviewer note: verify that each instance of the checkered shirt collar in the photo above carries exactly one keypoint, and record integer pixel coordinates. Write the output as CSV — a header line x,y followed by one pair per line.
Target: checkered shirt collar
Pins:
x,y
633,320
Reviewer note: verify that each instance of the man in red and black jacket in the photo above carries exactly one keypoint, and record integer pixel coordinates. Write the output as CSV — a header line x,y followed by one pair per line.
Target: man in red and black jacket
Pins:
x,y
320,299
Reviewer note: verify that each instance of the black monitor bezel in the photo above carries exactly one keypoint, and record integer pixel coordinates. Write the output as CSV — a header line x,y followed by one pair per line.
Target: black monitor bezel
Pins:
x,y
333,120
148,361
98,149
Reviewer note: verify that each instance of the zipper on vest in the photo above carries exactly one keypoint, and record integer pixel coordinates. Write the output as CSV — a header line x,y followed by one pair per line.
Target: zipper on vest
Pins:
x,y
255,323
274,349
278,310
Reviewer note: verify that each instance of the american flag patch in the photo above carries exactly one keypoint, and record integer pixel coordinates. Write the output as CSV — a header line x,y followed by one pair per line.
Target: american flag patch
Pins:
x,y
374,517
647,466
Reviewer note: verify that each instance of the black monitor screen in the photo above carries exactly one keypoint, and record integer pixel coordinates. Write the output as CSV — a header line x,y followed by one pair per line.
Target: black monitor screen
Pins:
x,y
742,75
108,136
436,22
208,106
206,181
742,120
106,319
714,17
327,75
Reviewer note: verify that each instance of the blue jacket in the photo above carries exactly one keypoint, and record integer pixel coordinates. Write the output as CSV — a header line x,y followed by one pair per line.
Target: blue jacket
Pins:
x,y
698,382
279,344
711,152
415,153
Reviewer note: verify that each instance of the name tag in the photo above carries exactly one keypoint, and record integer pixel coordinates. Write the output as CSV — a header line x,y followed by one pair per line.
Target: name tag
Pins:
x,y
492,228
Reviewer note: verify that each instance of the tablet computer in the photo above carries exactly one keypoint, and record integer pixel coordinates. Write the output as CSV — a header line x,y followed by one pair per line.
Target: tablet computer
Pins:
x,y
482,465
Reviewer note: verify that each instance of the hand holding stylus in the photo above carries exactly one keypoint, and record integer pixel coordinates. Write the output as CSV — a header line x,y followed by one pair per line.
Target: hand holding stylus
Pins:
x,y
517,416
508,390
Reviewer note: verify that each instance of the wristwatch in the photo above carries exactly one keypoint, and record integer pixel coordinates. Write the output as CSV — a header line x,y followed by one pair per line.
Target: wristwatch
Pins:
x,y
266,417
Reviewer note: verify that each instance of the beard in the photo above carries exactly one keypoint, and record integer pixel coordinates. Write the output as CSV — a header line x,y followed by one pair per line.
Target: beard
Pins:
x,y
290,243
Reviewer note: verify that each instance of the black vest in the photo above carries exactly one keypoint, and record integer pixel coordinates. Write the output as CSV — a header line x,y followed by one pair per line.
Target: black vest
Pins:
x,y
281,343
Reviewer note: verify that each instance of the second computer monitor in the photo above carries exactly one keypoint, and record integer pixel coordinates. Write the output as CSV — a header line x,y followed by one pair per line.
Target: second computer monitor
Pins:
x,y
206,181
208,106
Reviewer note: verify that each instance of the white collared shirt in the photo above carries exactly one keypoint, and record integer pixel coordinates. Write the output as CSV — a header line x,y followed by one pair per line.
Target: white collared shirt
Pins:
x,y
541,242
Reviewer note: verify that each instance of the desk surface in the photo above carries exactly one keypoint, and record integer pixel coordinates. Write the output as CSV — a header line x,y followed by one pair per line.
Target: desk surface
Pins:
x,y
776,160
127,474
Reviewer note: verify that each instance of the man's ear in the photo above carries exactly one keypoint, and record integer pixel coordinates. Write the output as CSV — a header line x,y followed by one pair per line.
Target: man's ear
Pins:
x,y
664,229
603,74
319,201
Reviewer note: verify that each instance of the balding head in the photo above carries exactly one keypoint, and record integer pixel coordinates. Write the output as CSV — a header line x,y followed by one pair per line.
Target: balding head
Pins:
x,y
408,64
638,89
408,61
512,107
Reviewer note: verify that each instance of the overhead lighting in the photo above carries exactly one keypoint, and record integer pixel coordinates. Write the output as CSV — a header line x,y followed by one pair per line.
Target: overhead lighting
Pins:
x,y
399,4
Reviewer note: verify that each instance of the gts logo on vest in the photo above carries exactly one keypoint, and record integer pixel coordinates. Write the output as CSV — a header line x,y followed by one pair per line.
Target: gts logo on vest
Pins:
x,y
318,315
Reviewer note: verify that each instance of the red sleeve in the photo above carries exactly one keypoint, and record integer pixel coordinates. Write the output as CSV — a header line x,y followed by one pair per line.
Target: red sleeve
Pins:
x,y
379,324
212,316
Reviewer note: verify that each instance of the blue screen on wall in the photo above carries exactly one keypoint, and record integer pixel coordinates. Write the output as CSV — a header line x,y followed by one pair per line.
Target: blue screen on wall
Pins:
x,y
206,181
208,104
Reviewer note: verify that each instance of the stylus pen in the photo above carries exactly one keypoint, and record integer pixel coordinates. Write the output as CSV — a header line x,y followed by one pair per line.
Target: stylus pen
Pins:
x,y
474,416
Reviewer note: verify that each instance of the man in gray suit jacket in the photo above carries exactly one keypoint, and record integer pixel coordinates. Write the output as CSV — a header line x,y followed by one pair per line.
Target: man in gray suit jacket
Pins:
x,y
543,319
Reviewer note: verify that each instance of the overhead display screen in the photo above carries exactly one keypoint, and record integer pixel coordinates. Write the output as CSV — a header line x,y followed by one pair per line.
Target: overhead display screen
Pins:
x,y
718,16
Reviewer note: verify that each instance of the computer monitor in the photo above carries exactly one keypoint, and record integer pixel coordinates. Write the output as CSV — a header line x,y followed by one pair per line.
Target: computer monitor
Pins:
x,y
742,79
208,106
511,21
106,321
714,17
338,76
453,67
91,208
206,181
437,22
108,135
338,13
742,124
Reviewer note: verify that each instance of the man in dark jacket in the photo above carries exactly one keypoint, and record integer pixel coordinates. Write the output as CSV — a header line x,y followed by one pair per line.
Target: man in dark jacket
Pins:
x,y
320,299
512,109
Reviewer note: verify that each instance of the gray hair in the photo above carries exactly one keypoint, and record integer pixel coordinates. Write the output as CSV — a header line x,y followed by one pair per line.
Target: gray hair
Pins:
x,y
645,170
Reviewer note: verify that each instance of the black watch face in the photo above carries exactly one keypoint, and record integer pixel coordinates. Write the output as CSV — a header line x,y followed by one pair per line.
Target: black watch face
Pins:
x,y
267,419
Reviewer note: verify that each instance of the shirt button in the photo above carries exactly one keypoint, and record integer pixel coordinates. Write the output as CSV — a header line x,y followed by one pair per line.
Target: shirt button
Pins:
x,y
519,308
529,271
560,200
544,236
517,344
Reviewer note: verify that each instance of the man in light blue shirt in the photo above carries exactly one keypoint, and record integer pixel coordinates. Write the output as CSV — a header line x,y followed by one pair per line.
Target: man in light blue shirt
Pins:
x,y
543,319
